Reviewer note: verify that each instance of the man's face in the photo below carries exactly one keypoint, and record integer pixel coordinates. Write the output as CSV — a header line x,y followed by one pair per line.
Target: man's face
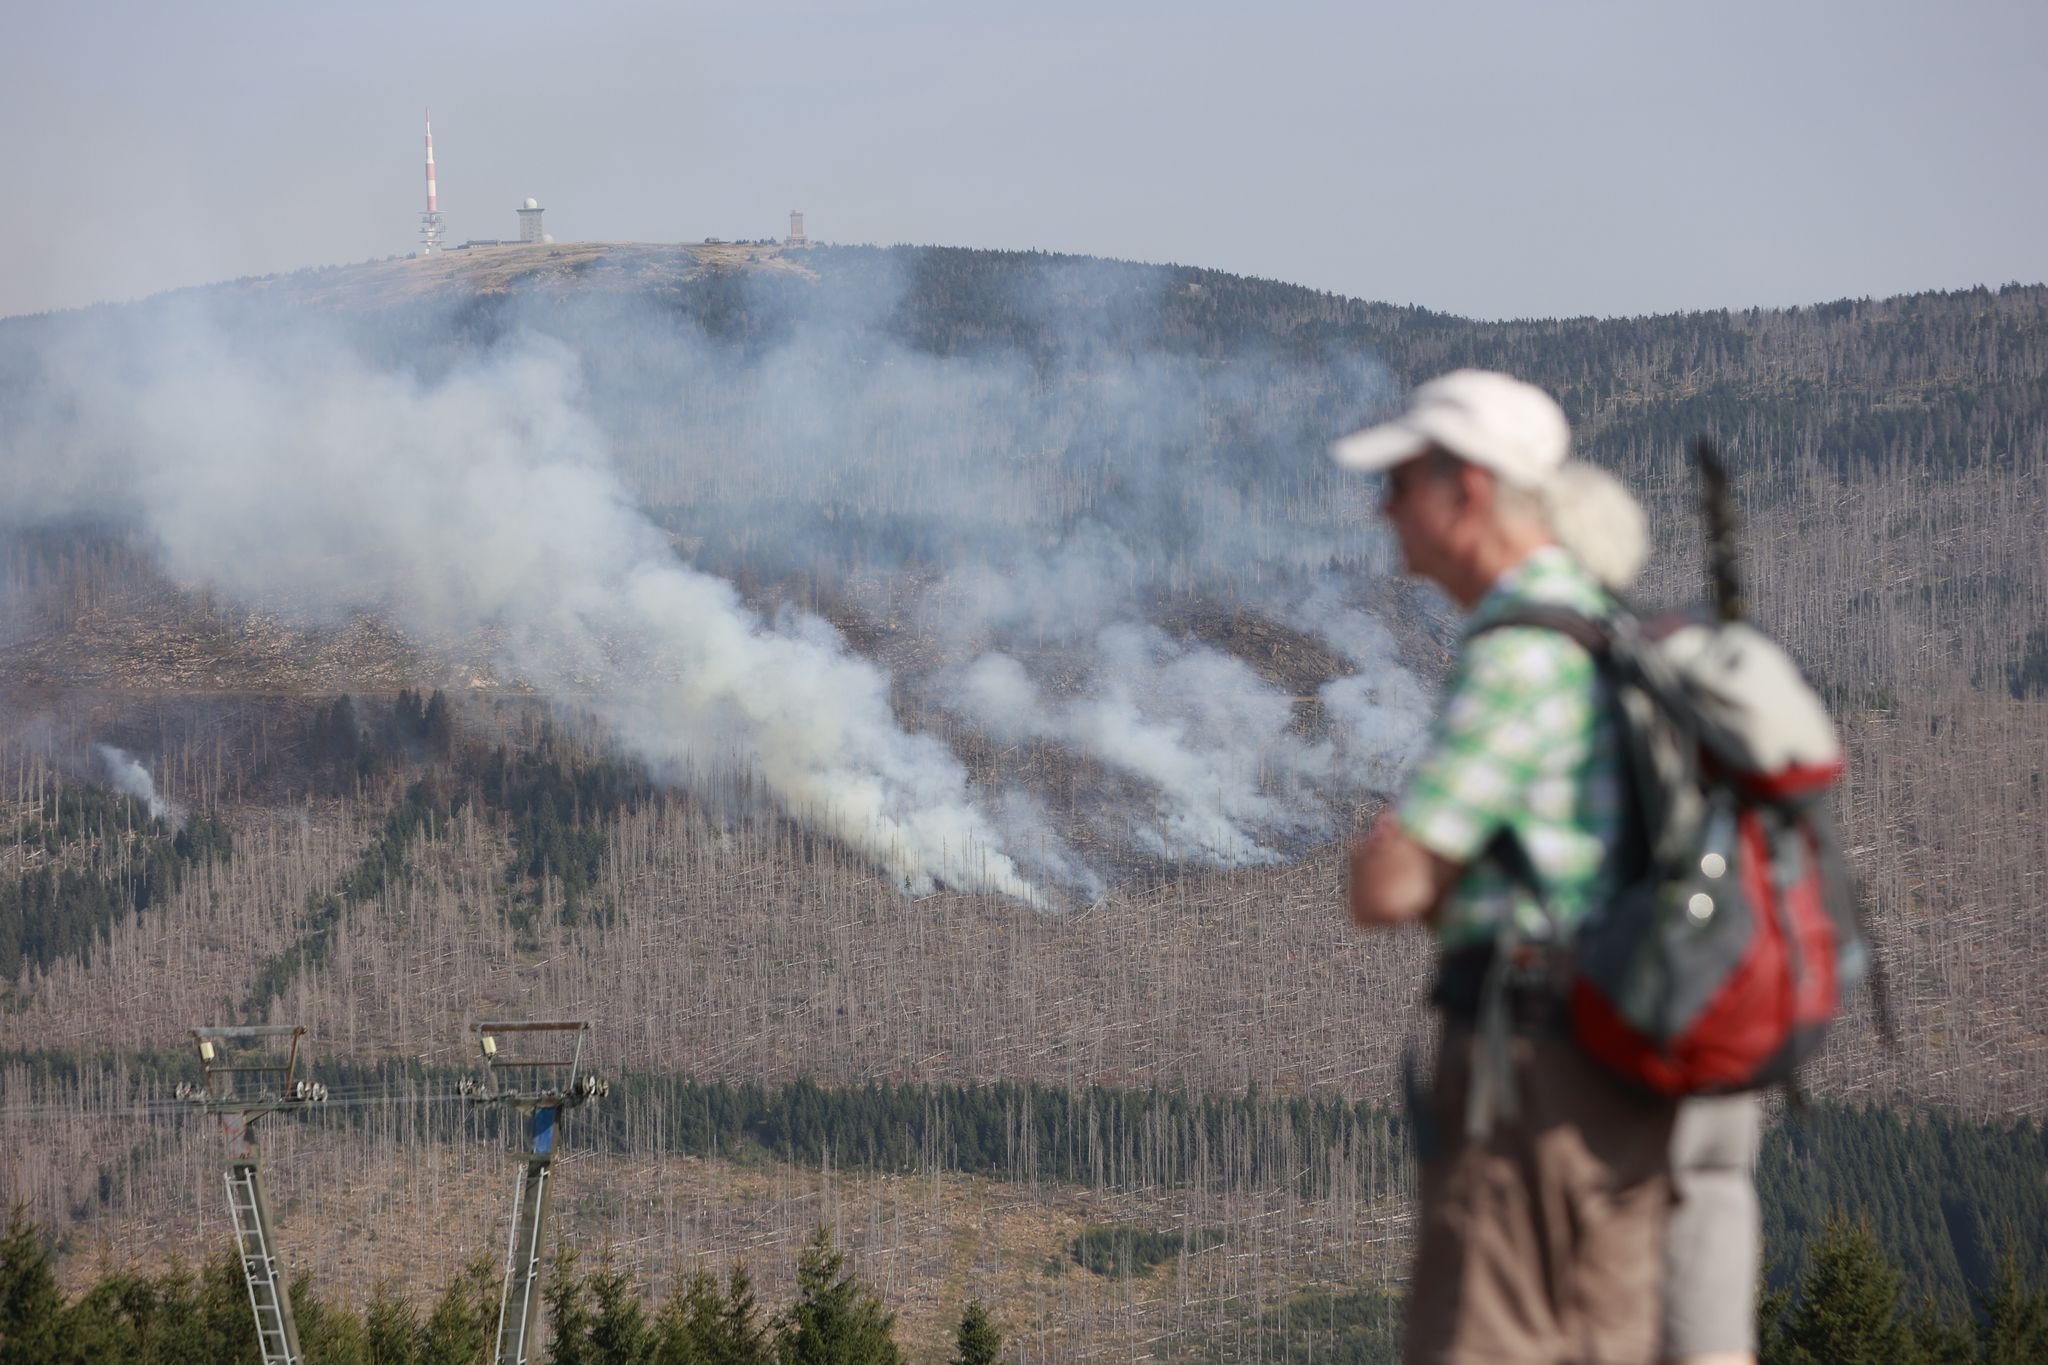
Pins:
x,y
1421,500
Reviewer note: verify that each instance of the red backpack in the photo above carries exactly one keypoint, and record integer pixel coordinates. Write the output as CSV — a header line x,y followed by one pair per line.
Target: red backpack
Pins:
x,y
1726,954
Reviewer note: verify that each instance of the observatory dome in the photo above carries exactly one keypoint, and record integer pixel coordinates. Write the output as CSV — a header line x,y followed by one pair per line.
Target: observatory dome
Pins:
x,y
533,203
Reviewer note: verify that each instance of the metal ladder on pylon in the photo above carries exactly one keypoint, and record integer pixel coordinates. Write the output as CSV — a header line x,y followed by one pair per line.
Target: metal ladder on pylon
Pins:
x,y
517,1313
549,1085
274,1335
247,1081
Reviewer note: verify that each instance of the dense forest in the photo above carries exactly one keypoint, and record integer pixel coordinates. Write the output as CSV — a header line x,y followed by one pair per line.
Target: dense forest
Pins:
x,y
386,821
1849,1309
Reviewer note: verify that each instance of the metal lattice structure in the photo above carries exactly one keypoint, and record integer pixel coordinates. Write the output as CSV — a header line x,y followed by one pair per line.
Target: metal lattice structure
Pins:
x,y
245,1080
539,1086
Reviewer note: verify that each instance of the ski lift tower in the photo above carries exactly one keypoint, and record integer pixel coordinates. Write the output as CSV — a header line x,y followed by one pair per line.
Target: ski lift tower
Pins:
x,y
541,1079
245,1080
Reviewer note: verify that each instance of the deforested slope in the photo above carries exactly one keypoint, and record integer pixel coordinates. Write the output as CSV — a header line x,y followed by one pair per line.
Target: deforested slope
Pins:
x,y
895,666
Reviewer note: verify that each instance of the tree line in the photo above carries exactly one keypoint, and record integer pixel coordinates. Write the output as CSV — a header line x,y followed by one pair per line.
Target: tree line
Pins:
x,y
1850,1308
593,1317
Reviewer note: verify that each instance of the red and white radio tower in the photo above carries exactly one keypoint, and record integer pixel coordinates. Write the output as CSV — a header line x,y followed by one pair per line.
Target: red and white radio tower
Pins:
x,y
430,221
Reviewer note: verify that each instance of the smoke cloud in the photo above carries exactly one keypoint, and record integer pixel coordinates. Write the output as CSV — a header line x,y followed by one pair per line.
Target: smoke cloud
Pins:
x,y
1196,727
590,482
132,779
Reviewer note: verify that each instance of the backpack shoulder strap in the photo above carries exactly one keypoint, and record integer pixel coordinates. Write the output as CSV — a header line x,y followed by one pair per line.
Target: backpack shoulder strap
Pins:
x,y
1595,636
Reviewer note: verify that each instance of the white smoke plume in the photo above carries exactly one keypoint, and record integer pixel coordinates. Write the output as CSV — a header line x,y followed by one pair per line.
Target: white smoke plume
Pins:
x,y
484,503
1379,712
1196,727
130,778
543,480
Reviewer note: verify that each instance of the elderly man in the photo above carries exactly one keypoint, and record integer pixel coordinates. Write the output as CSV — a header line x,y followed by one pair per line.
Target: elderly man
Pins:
x,y
1543,1203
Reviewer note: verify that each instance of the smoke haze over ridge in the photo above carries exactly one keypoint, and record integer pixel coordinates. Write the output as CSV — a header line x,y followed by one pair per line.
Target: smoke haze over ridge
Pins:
x,y
585,478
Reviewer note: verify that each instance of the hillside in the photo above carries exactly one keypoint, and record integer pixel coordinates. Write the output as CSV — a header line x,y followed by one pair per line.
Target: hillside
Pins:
x,y
903,665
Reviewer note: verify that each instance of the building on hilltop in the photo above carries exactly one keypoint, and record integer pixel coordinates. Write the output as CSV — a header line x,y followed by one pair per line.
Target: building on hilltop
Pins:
x,y
796,229
529,222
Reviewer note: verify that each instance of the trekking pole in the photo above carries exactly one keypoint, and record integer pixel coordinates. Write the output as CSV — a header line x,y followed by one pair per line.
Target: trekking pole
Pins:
x,y
1717,509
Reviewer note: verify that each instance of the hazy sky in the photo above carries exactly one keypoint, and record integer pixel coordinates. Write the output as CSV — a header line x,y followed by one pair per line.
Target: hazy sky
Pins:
x,y
1487,159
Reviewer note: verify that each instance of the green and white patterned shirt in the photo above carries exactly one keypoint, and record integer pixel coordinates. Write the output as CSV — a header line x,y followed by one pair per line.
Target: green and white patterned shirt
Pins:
x,y
1525,737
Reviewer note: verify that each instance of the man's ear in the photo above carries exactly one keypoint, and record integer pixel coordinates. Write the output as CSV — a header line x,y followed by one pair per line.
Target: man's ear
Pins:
x,y
1475,486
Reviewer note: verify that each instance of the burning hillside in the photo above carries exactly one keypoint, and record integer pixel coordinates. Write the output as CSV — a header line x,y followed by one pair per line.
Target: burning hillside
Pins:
x,y
602,492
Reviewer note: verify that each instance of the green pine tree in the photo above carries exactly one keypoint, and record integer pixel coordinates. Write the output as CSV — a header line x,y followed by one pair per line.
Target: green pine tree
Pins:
x,y
391,1327
701,1326
739,1336
1773,1306
1940,1336
30,1306
976,1340
567,1296
327,1335
184,1336
2014,1326
439,725
223,1307
96,1330
619,1332
1848,1313
836,1319
462,1329
675,1343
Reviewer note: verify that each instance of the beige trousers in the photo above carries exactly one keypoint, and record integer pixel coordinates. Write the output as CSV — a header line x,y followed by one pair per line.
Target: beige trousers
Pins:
x,y
1544,1242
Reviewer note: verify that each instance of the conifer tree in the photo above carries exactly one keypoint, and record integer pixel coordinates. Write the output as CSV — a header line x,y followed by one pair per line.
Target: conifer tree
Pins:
x,y
836,1319
98,1329
29,1301
619,1332
460,1329
438,723
223,1306
1848,1312
187,1338
327,1335
701,1326
736,1333
741,1337
1938,1336
391,1327
2014,1326
976,1341
675,1343
568,1303
1773,1306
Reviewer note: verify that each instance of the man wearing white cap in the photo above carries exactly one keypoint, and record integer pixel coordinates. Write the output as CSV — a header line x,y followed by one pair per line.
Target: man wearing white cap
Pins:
x,y
1544,1197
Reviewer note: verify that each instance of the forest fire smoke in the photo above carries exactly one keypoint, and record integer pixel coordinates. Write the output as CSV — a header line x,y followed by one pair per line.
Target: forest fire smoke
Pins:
x,y
483,503
130,778
498,490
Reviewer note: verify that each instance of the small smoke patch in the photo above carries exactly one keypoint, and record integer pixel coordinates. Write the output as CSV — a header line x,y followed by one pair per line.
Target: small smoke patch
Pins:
x,y
130,778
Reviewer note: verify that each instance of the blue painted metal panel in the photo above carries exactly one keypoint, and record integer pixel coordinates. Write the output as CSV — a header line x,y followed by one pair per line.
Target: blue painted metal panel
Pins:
x,y
544,1131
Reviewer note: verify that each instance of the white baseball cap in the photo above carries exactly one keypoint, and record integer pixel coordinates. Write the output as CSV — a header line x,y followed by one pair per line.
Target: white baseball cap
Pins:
x,y
1492,420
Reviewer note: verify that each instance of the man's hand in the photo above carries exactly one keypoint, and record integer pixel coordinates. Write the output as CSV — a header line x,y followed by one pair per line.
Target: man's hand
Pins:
x,y
1394,879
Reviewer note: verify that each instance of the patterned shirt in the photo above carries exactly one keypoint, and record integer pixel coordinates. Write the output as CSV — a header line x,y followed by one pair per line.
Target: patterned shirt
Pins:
x,y
1525,738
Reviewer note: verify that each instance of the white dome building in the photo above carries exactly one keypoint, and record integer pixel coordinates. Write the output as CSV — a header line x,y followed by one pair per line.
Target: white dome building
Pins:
x,y
529,223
